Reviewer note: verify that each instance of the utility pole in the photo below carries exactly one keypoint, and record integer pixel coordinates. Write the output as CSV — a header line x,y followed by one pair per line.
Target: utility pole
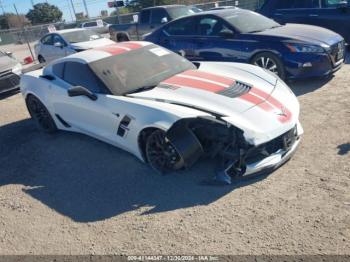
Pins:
x,y
86,9
32,1
24,34
116,10
70,12
71,1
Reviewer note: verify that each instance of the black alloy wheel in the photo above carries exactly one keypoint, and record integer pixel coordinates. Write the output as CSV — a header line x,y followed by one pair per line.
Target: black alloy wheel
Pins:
x,y
161,154
40,114
269,62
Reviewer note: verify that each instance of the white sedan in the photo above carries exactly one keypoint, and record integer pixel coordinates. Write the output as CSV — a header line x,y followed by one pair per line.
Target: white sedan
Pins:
x,y
66,42
168,111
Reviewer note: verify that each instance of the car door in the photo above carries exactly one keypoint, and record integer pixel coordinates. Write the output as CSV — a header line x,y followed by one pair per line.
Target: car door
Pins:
x,y
46,48
158,17
335,15
60,47
297,11
144,23
179,36
94,118
216,40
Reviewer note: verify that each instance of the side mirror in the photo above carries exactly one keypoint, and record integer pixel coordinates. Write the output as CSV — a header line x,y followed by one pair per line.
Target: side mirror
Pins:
x,y
343,5
8,54
226,34
164,20
58,44
81,91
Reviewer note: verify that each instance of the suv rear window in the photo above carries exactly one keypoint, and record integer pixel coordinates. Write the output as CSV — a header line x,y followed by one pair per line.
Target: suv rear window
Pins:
x,y
145,16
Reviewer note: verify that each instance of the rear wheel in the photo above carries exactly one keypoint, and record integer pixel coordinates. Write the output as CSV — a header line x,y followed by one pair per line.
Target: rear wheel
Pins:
x,y
161,154
40,115
122,38
270,62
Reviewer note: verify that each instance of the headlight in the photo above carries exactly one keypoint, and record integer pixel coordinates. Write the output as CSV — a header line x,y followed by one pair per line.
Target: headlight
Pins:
x,y
17,69
301,48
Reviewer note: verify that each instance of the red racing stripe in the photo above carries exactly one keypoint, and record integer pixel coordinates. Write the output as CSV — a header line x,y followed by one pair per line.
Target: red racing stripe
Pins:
x,y
112,49
194,83
130,45
282,118
209,76
277,104
256,101
259,92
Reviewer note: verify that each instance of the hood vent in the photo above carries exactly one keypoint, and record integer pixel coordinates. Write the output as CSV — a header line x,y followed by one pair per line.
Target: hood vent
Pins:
x,y
236,90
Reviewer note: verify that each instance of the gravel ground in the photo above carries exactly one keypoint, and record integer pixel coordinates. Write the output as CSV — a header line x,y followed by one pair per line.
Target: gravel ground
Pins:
x,y
71,194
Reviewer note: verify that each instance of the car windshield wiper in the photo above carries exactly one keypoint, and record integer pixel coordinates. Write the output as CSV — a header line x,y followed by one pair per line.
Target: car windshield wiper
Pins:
x,y
140,89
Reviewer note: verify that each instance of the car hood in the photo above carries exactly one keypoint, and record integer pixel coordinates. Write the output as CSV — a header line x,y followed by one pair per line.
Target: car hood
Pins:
x,y
7,63
244,97
307,33
92,44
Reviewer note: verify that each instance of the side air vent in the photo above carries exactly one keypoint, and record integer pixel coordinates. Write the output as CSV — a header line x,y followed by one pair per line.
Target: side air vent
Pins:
x,y
123,126
236,90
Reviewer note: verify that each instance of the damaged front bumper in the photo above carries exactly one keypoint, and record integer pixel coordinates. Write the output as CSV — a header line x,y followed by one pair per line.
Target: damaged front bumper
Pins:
x,y
271,162
263,159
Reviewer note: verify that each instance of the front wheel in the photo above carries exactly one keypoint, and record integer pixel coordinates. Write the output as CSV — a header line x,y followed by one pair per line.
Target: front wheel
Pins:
x,y
41,115
41,59
270,62
161,154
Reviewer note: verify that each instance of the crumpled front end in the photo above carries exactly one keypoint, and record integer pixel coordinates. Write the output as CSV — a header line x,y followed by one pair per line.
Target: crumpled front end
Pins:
x,y
207,137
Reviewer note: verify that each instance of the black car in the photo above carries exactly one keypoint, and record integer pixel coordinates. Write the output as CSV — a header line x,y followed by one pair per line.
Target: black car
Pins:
x,y
331,14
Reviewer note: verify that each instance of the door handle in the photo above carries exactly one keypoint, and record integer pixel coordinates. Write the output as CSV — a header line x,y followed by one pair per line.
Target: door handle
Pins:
x,y
152,26
313,15
277,14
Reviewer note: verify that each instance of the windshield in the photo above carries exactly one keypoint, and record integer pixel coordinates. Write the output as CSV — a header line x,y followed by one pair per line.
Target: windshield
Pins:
x,y
80,36
143,67
180,11
249,22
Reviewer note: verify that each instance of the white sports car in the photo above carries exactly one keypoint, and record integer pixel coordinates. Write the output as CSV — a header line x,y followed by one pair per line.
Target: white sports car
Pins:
x,y
168,111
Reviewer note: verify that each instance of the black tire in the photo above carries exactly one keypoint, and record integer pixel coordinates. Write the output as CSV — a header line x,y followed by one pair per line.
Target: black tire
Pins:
x,y
161,154
270,62
41,59
40,115
122,38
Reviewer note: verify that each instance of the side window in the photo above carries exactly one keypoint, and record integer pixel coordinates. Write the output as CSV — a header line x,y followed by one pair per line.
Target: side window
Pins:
x,y
145,16
306,4
79,74
58,39
89,24
47,40
157,15
210,26
333,3
57,69
181,27
284,4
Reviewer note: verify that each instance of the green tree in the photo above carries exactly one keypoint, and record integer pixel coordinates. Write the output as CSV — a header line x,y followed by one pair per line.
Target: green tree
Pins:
x,y
44,13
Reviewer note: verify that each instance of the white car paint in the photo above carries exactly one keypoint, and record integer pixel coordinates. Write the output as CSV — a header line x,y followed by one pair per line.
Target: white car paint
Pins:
x,y
269,110
51,52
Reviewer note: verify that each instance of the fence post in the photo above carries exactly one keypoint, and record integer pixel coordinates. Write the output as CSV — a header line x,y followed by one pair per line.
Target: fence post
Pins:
x,y
24,34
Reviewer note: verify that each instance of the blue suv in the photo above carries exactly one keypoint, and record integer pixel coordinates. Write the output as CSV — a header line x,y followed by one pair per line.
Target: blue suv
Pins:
x,y
330,14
